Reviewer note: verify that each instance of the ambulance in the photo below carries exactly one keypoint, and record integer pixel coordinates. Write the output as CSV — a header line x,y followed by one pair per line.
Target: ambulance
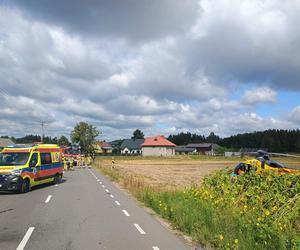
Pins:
x,y
22,167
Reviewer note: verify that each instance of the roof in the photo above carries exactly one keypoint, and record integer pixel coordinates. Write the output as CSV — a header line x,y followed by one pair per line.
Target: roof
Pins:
x,y
157,141
202,145
5,141
199,145
184,149
106,145
132,144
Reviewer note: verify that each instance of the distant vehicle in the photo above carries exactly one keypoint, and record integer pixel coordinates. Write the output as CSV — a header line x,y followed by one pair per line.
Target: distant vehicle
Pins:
x,y
22,167
70,152
263,163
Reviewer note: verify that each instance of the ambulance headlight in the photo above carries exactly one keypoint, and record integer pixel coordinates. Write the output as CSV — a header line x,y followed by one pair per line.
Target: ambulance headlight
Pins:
x,y
16,172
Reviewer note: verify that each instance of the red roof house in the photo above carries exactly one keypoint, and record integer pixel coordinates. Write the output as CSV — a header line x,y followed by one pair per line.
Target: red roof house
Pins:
x,y
158,146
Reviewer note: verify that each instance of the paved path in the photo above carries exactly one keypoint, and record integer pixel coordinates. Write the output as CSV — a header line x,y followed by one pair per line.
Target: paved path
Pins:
x,y
85,211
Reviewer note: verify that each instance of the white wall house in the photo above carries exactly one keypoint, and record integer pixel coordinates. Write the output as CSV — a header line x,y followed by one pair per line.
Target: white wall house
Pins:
x,y
158,146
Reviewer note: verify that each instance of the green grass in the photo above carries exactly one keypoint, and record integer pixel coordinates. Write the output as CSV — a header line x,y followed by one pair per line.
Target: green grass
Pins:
x,y
254,212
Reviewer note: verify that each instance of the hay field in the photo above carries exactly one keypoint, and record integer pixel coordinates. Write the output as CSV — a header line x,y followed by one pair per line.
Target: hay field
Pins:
x,y
176,172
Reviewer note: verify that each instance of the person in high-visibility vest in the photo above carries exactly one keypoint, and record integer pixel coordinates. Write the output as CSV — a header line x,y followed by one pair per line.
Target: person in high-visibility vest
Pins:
x,y
113,162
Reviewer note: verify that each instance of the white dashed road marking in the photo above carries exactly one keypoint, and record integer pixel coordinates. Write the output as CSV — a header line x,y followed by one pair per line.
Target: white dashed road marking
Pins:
x,y
118,203
48,199
25,239
125,212
112,196
139,229
155,248
103,186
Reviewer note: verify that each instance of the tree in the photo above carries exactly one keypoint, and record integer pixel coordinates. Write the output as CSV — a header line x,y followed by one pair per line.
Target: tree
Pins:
x,y
85,135
137,134
63,141
212,138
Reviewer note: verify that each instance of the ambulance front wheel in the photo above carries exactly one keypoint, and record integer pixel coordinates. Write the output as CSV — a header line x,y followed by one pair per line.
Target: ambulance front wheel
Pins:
x,y
24,186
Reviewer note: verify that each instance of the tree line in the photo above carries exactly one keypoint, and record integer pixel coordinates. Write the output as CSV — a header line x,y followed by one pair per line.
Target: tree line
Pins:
x,y
274,140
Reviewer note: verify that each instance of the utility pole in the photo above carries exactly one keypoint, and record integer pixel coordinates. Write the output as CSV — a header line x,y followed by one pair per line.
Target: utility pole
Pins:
x,y
42,124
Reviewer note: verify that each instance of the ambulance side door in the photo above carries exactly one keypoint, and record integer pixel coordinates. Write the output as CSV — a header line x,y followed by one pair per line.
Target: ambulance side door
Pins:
x,y
34,165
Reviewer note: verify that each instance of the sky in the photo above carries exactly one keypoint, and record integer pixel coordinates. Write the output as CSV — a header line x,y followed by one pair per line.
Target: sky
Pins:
x,y
162,66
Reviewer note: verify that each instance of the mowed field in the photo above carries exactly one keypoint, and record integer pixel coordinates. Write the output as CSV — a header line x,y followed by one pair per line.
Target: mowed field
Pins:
x,y
174,172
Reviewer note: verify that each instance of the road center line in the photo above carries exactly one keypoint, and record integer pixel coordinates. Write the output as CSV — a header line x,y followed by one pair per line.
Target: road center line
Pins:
x,y
118,203
25,239
125,212
48,199
155,248
103,186
100,182
139,229
107,191
112,196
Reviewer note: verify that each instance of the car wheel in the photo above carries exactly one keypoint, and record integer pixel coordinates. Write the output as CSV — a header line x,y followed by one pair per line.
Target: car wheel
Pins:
x,y
25,186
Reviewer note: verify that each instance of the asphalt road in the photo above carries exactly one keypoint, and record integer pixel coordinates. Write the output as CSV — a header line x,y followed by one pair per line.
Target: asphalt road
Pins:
x,y
85,211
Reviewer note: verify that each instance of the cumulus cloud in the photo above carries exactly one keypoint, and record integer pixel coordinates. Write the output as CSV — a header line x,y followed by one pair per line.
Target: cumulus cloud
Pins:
x,y
161,66
259,95
294,115
128,19
247,41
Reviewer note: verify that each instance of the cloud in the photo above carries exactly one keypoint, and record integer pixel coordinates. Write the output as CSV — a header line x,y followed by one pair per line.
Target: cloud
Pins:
x,y
246,42
132,20
259,95
161,66
294,115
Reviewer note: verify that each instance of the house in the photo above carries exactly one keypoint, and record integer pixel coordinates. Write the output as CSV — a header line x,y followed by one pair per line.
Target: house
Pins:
x,y
4,142
181,150
132,146
116,146
158,146
103,148
204,148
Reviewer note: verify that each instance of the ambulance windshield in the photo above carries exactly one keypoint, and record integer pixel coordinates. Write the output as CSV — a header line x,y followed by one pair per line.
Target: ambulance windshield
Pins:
x,y
13,158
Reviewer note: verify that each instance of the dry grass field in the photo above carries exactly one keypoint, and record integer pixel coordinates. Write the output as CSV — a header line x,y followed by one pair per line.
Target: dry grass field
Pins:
x,y
173,172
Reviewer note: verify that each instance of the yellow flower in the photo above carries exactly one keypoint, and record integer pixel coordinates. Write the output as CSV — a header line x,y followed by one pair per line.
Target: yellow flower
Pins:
x,y
267,212
236,241
221,237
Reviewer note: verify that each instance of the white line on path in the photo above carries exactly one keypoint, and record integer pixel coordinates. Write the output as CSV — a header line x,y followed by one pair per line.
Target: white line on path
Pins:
x,y
125,212
112,196
107,191
103,186
25,239
155,248
56,185
100,182
118,203
139,229
48,199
